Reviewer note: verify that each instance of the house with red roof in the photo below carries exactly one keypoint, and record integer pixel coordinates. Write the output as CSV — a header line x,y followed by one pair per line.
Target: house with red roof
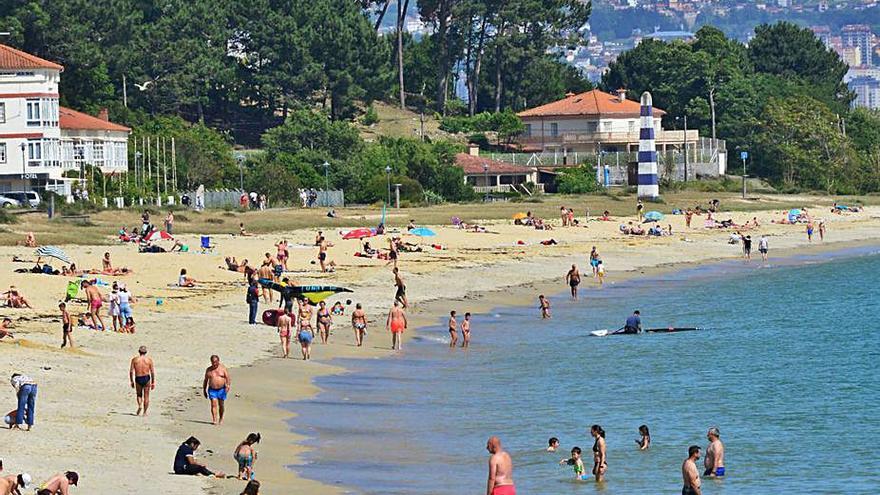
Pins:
x,y
486,174
594,121
39,139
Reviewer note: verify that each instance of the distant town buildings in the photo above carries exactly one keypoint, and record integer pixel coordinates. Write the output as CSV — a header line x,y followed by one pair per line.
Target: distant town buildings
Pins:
x,y
860,36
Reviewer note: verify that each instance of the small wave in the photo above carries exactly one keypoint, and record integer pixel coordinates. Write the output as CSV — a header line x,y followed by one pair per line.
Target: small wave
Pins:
x,y
431,338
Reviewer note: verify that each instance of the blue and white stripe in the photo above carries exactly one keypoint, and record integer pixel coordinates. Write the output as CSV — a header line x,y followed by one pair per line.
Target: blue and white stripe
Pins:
x,y
648,183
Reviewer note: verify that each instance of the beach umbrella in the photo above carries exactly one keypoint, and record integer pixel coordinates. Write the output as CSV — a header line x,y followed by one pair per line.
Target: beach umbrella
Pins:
x,y
793,214
653,216
158,235
519,216
423,232
53,252
359,234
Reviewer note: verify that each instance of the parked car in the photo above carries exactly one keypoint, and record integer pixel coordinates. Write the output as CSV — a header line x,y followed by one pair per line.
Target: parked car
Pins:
x,y
6,202
24,198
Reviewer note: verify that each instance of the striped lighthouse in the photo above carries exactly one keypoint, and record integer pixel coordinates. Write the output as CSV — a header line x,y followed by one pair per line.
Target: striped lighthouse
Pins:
x,y
648,184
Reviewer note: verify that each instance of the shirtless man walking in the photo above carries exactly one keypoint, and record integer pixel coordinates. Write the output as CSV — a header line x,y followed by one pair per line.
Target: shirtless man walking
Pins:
x,y
323,245
453,329
66,327
400,295
266,272
500,470
359,323
397,324
573,279
142,375
285,327
95,302
689,473
714,461
215,388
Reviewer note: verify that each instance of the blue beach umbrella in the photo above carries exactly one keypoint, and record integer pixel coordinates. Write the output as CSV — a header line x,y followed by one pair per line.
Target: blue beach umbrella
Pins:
x,y
422,232
793,215
653,216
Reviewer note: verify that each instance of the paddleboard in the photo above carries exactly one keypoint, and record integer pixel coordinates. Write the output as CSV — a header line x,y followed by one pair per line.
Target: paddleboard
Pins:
x,y
605,333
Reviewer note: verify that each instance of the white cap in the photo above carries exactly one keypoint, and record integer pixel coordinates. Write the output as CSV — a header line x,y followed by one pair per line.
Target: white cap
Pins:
x,y
26,479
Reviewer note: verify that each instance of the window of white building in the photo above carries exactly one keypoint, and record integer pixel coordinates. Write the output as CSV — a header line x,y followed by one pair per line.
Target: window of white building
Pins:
x,y
2,152
554,129
98,154
33,112
2,113
34,153
528,131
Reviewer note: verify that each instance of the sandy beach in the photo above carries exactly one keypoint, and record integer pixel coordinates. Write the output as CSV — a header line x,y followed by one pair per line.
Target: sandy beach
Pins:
x,y
85,408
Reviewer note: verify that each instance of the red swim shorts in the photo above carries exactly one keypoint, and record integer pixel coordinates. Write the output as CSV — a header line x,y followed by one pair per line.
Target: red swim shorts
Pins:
x,y
504,490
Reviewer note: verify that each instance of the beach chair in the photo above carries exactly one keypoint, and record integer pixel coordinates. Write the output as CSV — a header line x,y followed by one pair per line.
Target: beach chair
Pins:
x,y
207,247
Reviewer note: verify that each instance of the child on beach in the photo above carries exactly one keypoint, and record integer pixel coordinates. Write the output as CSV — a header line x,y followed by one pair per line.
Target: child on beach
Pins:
x,y
580,472
600,272
466,331
544,306
66,327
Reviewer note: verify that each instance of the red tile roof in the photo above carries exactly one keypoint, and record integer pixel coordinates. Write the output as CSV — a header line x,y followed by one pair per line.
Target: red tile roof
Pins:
x,y
592,103
10,58
473,165
71,119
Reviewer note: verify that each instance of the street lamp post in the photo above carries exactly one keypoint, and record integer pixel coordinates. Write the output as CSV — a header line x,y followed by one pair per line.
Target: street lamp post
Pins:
x,y
744,156
326,183
486,179
685,148
388,176
23,163
137,156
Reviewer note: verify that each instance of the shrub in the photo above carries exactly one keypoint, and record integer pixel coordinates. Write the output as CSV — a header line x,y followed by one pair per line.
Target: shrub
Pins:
x,y
7,218
578,180
370,117
216,221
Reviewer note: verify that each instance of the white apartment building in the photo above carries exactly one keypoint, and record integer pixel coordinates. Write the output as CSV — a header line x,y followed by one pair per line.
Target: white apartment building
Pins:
x,y
39,139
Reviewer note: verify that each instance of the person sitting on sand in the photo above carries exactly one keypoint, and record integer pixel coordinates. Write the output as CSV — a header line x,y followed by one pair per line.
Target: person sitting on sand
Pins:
x,y
59,484
246,455
4,328
242,232
252,488
15,299
179,246
184,280
606,216
185,461
106,264
368,250
231,264
30,240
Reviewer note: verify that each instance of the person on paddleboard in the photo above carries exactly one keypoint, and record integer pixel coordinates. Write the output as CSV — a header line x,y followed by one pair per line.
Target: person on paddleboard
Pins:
x,y
633,324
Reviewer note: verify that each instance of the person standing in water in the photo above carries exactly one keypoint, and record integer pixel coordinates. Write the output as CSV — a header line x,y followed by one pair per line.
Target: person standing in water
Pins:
x,y
689,473
573,279
594,261
645,441
453,329
142,375
500,480
544,306
763,246
466,331
396,324
714,461
575,461
600,463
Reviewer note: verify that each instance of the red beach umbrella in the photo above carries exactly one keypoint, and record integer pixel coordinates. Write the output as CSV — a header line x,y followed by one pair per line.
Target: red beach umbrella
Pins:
x,y
359,234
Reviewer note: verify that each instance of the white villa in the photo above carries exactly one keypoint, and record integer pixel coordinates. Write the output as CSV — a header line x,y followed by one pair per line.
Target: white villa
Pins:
x,y
39,139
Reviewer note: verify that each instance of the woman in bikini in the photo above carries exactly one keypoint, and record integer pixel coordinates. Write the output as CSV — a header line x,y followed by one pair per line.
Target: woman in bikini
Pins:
x,y
324,322
305,317
600,464
282,254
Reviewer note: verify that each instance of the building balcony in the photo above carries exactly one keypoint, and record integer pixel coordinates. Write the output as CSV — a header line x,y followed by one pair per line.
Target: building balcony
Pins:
x,y
597,137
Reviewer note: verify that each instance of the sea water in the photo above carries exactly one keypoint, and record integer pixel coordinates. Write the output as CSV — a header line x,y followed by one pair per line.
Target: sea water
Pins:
x,y
786,367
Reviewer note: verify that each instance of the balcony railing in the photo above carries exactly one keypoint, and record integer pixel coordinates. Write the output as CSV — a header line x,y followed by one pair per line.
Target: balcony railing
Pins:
x,y
664,136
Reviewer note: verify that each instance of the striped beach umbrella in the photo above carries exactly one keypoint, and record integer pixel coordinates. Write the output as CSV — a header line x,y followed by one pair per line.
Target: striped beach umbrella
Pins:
x,y
53,252
648,183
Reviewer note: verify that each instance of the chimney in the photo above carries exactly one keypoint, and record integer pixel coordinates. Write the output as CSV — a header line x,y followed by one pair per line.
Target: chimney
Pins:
x,y
473,150
569,94
621,95
104,115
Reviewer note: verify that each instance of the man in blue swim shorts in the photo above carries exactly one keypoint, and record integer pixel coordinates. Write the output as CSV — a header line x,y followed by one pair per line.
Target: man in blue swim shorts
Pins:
x,y
215,388
714,461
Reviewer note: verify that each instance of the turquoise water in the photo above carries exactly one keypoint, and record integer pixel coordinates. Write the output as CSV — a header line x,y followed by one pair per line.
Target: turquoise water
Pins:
x,y
785,367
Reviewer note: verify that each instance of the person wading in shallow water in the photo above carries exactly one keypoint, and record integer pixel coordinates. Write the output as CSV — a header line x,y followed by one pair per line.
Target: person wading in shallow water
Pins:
x,y
500,480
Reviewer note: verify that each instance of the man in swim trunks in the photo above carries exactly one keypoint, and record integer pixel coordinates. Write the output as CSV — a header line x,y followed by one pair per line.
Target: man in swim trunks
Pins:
x,y
95,302
400,295
265,272
396,324
689,473
215,387
763,246
714,461
59,484
453,329
573,279
322,254
285,326
544,305
66,327
143,379
359,323
500,480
